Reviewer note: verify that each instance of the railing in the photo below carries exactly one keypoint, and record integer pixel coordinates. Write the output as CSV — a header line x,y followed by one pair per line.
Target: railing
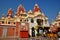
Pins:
x,y
8,25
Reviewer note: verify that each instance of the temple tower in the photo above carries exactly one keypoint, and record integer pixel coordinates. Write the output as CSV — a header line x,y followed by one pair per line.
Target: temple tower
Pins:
x,y
57,21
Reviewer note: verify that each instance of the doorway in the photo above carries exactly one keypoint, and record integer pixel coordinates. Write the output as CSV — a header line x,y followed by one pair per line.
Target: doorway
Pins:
x,y
39,22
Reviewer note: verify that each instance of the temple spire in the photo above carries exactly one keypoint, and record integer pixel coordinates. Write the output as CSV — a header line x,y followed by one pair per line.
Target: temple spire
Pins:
x,y
3,16
36,8
58,16
20,9
10,12
30,12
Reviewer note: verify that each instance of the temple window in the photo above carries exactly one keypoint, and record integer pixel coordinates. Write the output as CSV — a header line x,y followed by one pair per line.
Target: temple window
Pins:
x,y
2,22
21,14
27,19
8,22
13,28
55,23
39,21
32,21
21,20
14,22
45,21
25,15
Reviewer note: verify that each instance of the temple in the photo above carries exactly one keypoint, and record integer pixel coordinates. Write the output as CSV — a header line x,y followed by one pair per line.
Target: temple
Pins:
x,y
21,24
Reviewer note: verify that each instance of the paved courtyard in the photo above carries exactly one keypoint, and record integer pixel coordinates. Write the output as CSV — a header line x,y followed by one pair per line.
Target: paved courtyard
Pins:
x,y
32,38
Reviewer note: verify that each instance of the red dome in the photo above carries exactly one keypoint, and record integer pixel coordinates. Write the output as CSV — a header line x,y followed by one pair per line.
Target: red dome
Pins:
x,y
36,8
21,8
10,11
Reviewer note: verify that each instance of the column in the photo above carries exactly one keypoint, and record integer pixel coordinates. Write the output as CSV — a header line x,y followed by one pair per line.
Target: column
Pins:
x,y
4,32
47,23
15,32
43,22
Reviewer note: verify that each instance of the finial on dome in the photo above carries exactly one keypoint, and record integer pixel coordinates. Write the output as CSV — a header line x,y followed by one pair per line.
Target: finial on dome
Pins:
x,y
30,11
10,10
36,4
59,12
20,6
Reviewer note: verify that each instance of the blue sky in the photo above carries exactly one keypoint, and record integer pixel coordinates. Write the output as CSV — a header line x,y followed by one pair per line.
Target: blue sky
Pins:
x,y
49,7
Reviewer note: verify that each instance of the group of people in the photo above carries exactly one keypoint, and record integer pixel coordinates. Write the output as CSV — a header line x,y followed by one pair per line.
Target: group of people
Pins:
x,y
52,31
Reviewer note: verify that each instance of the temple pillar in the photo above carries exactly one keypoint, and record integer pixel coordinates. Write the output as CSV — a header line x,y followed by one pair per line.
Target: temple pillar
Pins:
x,y
43,22
4,32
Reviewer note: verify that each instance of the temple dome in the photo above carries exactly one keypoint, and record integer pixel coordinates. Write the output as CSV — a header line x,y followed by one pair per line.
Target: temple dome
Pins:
x,y
36,8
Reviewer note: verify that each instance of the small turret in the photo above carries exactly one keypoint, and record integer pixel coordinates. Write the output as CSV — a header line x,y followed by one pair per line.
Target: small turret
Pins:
x,y
30,12
20,10
3,16
10,11
58,17
36,8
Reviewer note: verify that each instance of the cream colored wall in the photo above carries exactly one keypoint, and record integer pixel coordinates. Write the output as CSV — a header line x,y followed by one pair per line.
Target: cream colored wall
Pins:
x,y
56,23
37,13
